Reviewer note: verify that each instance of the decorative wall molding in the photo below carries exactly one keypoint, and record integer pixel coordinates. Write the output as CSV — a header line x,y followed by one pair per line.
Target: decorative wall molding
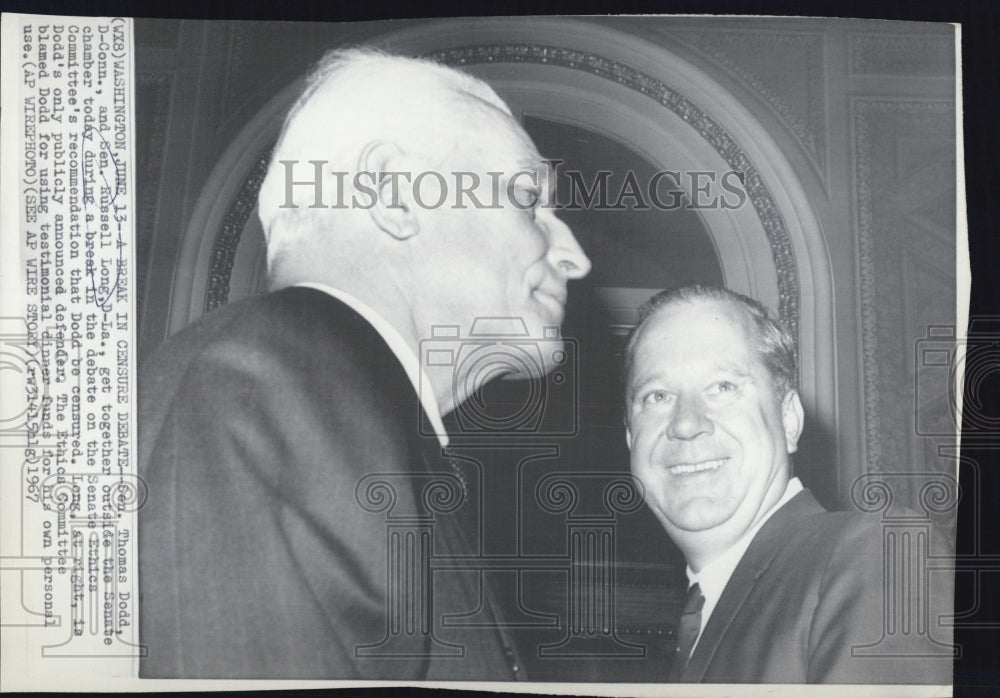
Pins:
x,y
227,239
237,34
741,52
154,92
918,55
887,230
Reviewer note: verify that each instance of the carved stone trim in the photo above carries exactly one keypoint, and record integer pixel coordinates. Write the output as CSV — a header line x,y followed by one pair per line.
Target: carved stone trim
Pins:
x,y
808,128
228,238
862,112
893,54
155,88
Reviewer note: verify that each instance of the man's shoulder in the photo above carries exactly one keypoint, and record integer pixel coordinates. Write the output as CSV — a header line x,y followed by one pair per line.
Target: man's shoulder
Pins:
x,y
296,362
806,523
299,324
812,583
805,537
818,542
296,309
808,519
296,341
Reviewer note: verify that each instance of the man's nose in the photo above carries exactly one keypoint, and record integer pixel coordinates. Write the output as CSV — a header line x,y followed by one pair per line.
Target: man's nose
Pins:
x,y
689,420
565,253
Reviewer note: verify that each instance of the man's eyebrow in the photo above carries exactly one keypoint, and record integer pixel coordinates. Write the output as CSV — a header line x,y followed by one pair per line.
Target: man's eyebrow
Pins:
x,y
731,368
548,177
534,165
543,186
552,182
644,383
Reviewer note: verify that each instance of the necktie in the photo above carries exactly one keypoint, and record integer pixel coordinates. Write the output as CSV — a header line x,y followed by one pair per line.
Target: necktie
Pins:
x,y
687,631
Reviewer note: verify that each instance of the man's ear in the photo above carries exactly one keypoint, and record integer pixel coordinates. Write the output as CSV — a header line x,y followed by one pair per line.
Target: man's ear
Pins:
x,y
390,190
793,418
628,435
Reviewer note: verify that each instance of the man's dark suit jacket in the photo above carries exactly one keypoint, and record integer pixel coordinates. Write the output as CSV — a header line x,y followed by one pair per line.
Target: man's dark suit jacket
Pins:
x,y
807,590
256,559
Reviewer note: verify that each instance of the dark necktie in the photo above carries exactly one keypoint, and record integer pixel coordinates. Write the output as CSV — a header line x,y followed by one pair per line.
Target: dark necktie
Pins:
x,y
687,631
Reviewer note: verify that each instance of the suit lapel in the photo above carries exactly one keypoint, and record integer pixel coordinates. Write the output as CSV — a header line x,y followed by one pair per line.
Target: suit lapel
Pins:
x,y
488,650
762,551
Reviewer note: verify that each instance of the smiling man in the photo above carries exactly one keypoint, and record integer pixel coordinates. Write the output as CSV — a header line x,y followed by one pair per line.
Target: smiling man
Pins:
x,y
780,590
263,552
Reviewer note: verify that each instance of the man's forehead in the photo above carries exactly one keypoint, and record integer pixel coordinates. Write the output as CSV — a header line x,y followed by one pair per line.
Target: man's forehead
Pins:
x,y
699,330
496,134
684,319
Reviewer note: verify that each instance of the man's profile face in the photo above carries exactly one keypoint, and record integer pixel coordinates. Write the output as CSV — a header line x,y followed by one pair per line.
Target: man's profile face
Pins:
x,y
507,258
709,435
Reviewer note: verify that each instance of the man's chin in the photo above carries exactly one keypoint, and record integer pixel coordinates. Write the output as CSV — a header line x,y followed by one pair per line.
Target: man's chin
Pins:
x,y
552,311
532,342
697,518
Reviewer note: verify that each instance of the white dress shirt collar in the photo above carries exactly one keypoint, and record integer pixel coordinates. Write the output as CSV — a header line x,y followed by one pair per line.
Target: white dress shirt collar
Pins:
x,y
714,576
399,347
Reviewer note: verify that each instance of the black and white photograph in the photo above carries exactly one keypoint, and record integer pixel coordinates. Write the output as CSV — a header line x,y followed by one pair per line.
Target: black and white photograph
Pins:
x,y
579,350
389,436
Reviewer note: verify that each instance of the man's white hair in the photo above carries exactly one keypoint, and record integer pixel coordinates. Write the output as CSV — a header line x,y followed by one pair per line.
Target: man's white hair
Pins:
x,y
352,98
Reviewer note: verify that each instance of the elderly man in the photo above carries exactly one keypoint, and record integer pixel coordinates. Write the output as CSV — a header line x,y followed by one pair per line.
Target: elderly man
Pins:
x,y
263,547
781,591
